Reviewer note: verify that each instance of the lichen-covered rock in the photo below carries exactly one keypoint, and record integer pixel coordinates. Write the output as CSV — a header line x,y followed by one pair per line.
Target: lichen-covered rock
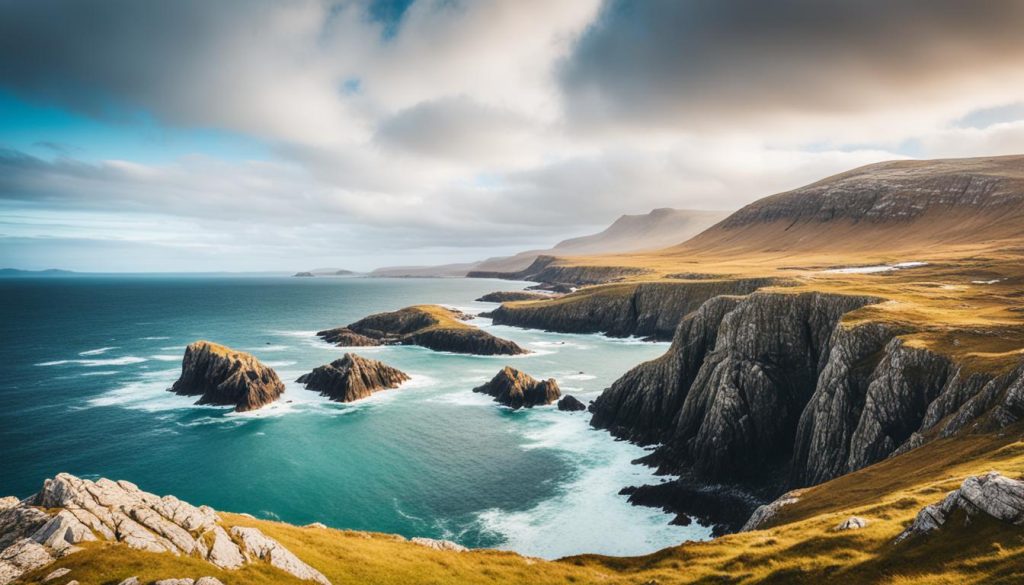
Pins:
x,y
992,494
851,523
21,557
223,551
225,377
257,545
430,326
516,389
570,403
352,377
438,544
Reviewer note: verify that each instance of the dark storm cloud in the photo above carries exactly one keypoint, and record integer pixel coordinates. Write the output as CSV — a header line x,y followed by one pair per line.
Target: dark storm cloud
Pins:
x,y
681,61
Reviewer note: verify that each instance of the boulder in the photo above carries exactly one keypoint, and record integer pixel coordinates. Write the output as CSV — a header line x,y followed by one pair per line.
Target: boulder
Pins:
x,y
570,403
225,377
56,574
852,523
352,377
438,544
130,581
256,544
992,494
516,389
21,557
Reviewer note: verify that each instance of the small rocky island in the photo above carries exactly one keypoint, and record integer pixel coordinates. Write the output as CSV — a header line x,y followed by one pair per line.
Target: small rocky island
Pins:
x,y
516,389
430,326
352,377
570,403
222,376
515,295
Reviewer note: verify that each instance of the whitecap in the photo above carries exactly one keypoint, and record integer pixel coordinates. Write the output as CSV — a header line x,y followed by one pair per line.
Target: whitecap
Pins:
x,y
97,351
281,363
269,348
165,358
155,338
121,361
101,373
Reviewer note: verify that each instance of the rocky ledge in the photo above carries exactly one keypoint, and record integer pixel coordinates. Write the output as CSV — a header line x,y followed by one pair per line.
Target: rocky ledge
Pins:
x,y
429,326
352,377
224,377
515,295
68,511
516,389
993,495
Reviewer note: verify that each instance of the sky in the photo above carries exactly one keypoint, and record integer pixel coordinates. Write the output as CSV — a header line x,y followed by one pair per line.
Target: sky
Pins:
x,y
189,135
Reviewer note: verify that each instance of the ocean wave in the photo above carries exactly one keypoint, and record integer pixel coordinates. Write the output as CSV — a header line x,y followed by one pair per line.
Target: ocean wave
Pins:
x,y
279,363
258,349
165,358
121,361
155,338
101,373
97,351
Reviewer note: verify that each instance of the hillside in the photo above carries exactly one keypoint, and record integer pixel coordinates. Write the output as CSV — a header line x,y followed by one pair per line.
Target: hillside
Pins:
x,y
629,233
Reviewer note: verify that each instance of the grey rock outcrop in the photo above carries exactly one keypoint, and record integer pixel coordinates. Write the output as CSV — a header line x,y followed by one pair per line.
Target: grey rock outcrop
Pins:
x,y
225,377
766,512
352,377
257,545
130,581
516,389
438,544
851,523
69,510
992,494
56,574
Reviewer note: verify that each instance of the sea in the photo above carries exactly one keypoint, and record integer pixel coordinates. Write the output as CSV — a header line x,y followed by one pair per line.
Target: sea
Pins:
x,y
85,363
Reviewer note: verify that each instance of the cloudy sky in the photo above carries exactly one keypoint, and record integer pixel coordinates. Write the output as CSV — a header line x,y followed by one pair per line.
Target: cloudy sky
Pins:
x,y
283,135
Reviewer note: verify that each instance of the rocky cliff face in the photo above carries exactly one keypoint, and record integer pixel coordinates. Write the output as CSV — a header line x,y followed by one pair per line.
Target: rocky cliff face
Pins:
x,y
428,326
224,377
69,511
650,309
518,390
515,295
352,377
773,391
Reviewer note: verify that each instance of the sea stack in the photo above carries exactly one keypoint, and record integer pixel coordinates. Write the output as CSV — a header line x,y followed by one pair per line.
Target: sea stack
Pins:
x,y
352,377
516,389
222,376
570,403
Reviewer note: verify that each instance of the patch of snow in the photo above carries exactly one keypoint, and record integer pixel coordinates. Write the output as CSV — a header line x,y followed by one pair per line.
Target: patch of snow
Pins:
x,y
874,269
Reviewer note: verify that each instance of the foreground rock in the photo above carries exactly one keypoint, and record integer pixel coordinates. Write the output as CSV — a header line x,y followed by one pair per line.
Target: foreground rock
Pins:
x,y
570,403
518,390
224,377
992,494
429,326
438,544
352,377
515,295
69,510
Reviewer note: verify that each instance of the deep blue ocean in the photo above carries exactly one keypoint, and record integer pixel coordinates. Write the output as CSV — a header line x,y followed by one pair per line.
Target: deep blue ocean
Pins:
x,y
85,362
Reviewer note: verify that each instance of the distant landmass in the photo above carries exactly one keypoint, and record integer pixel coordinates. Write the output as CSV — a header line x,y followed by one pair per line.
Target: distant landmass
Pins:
x,y
325,272
658,229
47,272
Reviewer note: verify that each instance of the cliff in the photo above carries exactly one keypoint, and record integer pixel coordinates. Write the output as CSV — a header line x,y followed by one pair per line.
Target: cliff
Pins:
x,y
646,309
225,377
515,295
548,269
429,326
352,377
516,389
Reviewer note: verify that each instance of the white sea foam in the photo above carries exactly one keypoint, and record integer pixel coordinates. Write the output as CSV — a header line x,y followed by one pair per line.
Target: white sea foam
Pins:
x,y
155,338
121,361
165,358
100,373
268,348
281,363
97,351
147,393
875,269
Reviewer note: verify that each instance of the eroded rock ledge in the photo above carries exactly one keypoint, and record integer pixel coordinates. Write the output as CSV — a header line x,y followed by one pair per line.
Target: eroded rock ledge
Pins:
x,y
352,377
224,377
516,389
993,495
68,511
429,326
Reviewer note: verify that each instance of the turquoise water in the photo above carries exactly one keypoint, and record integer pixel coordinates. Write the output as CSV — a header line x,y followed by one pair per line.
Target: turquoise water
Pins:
x,y
86,362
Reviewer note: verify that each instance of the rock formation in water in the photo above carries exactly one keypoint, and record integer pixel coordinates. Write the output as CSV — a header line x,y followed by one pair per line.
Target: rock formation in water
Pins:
x,y
570,403
69,511
518,390
224,377
428,326
648,309
352,377
345,337
515,295
993,495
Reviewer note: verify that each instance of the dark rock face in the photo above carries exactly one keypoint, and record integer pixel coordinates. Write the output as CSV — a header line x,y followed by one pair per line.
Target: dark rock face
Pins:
x,y
345,337
992,494
772,391
352,377
514,295
518,390
570,403
224,377
432,327
651,309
